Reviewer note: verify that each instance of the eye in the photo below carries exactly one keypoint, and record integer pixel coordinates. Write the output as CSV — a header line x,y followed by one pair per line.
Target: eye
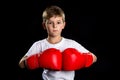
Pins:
x,y
49,22
59,22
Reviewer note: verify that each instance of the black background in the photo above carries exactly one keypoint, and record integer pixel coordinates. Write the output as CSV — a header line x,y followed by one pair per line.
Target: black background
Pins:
x,y
89,23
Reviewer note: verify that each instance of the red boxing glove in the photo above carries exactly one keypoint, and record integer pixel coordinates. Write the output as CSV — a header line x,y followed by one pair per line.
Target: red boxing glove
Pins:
x,y
51,59
32,62
72,59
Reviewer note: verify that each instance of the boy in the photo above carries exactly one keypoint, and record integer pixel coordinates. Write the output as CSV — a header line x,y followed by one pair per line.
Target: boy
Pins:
x,y
54,23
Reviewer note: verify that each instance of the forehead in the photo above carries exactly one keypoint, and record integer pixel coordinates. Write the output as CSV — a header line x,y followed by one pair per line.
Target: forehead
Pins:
x,y
56,18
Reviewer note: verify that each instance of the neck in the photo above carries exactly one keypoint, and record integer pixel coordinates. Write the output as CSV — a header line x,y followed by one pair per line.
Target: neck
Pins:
x,y
54,40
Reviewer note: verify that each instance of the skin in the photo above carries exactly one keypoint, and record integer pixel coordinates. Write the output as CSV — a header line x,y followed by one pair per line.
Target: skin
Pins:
x,y
54,27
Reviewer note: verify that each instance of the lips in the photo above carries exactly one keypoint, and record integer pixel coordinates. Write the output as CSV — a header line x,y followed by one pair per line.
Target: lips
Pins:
x,y
55,30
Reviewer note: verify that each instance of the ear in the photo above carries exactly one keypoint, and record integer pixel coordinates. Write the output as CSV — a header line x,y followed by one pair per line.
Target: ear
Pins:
x,y
43,24
64,25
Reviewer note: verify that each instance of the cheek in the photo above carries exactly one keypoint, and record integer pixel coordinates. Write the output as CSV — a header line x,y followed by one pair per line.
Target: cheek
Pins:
x,y
61,27
49,29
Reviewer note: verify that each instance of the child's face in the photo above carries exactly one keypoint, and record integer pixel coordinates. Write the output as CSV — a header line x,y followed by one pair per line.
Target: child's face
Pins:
x,y
54,26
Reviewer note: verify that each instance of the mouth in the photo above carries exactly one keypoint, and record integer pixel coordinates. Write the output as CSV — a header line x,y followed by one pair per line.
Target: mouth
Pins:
x,y
55,30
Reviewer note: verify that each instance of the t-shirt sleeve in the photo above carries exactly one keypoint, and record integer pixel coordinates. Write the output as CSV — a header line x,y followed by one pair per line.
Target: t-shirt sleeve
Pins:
x,y
35,48
80,48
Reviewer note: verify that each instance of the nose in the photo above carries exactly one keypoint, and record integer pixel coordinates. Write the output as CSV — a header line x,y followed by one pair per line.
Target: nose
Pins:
x,y
54,26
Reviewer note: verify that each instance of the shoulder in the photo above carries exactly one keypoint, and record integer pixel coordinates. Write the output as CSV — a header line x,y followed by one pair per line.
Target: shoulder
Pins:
x,y
39,42
70,40
74,44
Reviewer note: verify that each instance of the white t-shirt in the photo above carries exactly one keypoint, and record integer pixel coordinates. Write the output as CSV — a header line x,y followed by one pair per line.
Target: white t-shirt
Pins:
x,y
41,45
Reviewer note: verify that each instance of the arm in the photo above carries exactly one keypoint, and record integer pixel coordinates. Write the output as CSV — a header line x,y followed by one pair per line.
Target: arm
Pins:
x,y
94,57
22,62
50,59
